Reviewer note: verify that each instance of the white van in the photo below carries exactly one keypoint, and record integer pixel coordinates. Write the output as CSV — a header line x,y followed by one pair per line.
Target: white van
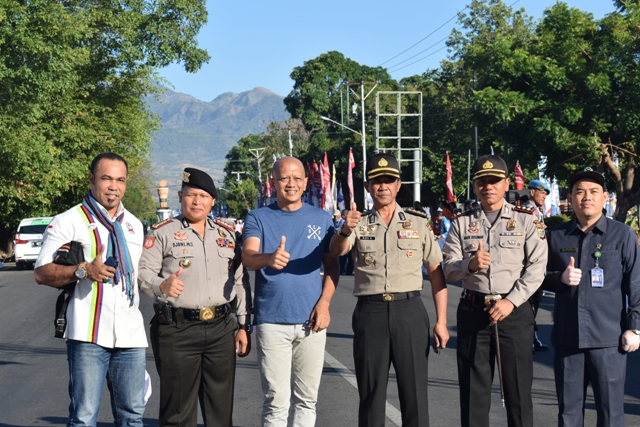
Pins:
x,y
28,240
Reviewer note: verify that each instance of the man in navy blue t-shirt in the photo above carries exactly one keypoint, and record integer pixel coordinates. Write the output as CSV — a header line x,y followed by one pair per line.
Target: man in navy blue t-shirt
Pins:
x,y
286,243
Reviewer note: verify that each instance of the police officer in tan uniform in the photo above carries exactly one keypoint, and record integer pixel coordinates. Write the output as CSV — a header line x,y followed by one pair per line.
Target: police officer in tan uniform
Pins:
x,y
191,265
390,323
499,254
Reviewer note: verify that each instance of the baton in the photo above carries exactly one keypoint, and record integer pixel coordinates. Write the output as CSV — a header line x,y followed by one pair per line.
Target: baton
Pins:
x,y
492,301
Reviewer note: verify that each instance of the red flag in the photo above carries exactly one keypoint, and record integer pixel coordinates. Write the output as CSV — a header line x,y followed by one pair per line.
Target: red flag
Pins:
x,y
352,164
450,196
327,203
519,176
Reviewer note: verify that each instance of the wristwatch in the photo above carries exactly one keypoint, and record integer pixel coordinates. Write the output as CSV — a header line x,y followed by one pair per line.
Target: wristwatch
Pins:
x,y
81,271
247,328
635,331
343,234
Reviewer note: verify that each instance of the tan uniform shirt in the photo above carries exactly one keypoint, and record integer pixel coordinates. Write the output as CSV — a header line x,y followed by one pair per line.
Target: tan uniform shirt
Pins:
x,y
211,269
390,259
517,248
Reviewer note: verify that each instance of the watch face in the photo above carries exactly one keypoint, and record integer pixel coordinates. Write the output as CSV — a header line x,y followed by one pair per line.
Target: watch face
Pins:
x,y
81,273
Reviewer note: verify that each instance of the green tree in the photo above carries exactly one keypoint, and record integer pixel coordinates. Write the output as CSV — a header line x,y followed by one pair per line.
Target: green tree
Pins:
x,y
73,77
321,88
139,196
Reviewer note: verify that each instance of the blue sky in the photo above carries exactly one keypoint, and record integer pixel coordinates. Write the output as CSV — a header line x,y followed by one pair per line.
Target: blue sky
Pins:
x,y
258,43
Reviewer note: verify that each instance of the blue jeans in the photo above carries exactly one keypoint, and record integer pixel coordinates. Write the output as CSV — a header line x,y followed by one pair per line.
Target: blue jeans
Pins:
x,y
89,366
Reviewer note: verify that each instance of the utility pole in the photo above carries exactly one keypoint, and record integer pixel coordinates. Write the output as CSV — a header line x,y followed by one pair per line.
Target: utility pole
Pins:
x,y
475,125
364,139
257,153
238,175
290,128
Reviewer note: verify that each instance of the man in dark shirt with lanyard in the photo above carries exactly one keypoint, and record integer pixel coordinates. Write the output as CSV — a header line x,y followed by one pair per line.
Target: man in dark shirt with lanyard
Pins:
x,y
593,268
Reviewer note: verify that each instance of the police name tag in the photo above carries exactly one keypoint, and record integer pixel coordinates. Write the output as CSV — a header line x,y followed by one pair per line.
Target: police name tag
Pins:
x,y
597,277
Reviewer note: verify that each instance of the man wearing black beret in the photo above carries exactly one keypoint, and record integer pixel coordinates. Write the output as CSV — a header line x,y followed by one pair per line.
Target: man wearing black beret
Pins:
x,y
191,265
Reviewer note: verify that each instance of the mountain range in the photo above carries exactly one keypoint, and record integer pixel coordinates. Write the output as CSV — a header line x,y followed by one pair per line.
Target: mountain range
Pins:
x,y
199,134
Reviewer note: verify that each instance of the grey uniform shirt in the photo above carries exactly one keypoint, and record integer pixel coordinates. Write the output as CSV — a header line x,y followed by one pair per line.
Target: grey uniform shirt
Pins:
x,y
517,247
212,272
390,259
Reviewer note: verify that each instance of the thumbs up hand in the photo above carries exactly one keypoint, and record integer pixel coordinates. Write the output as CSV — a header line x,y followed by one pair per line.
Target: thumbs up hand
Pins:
x,y
571,275
173,286
280,257
352,219
97,271
480,261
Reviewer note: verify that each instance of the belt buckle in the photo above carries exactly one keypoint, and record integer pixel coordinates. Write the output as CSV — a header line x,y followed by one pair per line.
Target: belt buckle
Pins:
x,y
387,297
207,313
492,299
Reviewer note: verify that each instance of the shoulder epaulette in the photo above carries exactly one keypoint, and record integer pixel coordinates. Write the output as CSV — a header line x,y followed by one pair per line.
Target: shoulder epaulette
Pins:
x,y
161,224
415,212
524,209
223,224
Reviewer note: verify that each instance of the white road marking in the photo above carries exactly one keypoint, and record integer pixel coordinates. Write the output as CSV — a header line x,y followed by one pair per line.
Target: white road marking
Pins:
x,y
392,413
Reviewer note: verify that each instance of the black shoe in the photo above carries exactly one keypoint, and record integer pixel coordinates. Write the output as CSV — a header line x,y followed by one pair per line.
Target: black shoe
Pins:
x,y
538,346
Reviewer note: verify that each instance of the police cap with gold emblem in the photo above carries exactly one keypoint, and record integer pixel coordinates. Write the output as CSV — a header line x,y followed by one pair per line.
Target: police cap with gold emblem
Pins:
x,y
382,164
192,177
489,166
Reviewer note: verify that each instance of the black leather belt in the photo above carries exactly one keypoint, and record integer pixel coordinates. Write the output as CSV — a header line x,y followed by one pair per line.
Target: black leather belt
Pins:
x,y
389,297
478,298
204,314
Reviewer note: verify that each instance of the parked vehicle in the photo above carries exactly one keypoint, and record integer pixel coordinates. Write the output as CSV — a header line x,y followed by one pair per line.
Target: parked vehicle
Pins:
x,y
28,240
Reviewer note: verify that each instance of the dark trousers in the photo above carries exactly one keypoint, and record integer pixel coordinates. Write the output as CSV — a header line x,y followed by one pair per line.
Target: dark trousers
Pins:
x,y
385,333
477,360
605,368
195,361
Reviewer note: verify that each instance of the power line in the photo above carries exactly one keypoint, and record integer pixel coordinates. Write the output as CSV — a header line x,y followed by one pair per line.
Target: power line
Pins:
x,y
418,60
425,37
422,51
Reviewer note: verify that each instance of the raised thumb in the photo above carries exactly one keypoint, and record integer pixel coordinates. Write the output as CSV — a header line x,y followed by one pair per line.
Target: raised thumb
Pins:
x,y
179,273
572,262
283,240
480,246
354,207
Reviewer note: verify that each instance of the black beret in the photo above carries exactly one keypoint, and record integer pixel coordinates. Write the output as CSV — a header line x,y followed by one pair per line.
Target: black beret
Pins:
x,y
489,165
382,164
192,177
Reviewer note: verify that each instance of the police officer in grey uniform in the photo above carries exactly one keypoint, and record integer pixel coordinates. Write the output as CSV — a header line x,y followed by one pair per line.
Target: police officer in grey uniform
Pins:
x,y
499,254
390,323
191,265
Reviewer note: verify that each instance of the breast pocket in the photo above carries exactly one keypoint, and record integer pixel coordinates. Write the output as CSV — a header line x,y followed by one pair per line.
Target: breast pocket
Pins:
x,y
409,253
366,255
511,250
225,258
470,247
183,257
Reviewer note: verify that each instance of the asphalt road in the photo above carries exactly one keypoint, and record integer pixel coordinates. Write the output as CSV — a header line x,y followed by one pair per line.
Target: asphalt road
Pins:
x,y
33,368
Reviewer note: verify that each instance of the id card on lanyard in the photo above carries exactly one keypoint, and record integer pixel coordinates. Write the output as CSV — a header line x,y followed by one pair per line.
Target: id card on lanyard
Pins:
x,y
597,274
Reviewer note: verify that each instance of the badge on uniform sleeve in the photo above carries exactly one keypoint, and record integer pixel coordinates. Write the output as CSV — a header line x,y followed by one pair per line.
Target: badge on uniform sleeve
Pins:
x,y
511,225
540,229
148,242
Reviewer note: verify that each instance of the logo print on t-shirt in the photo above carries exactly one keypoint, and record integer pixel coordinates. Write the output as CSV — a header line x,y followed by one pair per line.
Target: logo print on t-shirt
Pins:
x,y
314,232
